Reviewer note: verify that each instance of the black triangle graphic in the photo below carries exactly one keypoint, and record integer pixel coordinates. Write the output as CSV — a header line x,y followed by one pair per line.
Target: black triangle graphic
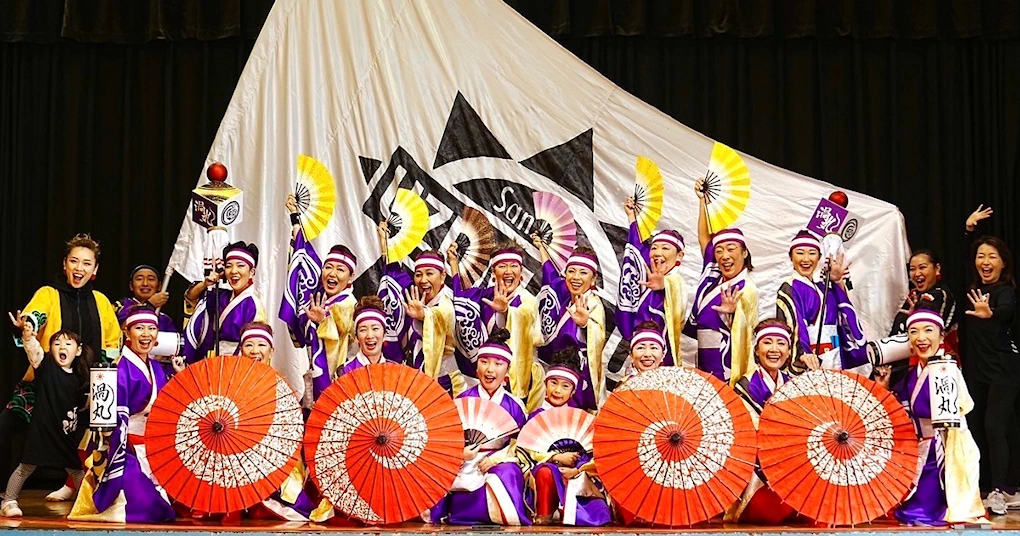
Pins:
x,y
571,165
466,136
368,167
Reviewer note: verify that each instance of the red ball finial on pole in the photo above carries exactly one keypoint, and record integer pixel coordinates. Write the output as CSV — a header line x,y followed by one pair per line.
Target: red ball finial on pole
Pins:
x,y
217,172
839,198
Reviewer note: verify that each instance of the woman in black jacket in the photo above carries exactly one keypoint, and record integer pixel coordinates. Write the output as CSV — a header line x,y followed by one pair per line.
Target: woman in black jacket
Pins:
x,y
991,361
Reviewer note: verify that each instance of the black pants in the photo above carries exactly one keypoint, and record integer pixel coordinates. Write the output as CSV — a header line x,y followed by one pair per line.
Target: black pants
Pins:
x,y
994,420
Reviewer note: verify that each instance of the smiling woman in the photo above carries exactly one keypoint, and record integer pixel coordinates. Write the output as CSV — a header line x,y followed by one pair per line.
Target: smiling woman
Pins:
x,y
72,304
992,367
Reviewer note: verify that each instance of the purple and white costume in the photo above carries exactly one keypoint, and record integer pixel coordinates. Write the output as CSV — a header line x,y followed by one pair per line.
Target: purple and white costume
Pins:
x,y
127,492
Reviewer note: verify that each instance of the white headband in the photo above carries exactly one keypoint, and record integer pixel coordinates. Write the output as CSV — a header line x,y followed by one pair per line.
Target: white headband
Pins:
x,y
240,255
563,374
336,256
771,331
582,260
142,317
497,352
668,238
806,242
507,256
257,333
728,235
428,261
926,316
367,315
647,336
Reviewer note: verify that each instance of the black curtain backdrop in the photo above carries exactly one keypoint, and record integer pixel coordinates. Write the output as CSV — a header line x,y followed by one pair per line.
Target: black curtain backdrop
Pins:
x,y
108,108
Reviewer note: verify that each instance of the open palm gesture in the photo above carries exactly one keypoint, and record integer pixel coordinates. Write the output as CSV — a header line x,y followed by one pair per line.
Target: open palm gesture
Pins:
x,y
500,301
578,310
415,306
730,298
979,300
316,309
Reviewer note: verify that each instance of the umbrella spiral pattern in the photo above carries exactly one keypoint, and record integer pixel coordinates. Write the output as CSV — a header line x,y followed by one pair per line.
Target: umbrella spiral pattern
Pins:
x,y
200,445
384,443
685,464
674,446
837,447
401,445
224,434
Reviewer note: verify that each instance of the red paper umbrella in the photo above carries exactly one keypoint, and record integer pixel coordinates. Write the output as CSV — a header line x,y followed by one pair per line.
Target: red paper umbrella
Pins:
x,y
384,443
674,447
837,447
224,434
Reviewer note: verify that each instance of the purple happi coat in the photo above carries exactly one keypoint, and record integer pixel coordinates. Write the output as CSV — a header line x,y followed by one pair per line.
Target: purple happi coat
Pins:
x,y
404,334
582,500
560,331
166,324
714,336
843,342
927,505
127,481
234,313
475,320
304,280
321,378
757,388
635,303
503,484
357,362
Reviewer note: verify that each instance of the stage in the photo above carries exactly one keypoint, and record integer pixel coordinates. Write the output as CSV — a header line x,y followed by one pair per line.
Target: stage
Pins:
x,y
42,518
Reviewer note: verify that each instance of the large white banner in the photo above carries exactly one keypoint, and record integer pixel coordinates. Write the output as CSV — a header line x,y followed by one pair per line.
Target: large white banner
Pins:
x,y
470,105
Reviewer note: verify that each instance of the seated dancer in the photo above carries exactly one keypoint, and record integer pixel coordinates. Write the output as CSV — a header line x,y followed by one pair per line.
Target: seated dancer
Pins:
x,y
504,304
571,314
658,296
798,303
120,487
490,485
772,349
290,503
144,287
419,308
370,333
725,306
236,306
947,487
563,483
331,310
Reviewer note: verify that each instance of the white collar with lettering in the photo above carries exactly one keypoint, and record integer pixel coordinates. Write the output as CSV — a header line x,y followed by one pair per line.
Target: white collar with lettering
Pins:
x,y
496,397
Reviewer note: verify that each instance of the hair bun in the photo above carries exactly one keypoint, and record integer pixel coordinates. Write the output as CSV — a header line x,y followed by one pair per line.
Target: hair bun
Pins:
x,y
499,336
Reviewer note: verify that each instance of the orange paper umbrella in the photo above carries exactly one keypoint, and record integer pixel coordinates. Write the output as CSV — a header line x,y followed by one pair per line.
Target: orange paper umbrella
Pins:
x,y
674,446
224,434
837,447
384,443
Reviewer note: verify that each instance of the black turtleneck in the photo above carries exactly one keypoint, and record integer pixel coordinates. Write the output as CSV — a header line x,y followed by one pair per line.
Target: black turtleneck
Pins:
x,y
79,313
